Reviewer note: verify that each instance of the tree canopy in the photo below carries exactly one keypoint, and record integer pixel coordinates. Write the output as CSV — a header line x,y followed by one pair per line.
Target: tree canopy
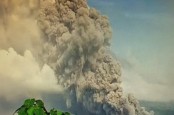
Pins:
x,y
36,107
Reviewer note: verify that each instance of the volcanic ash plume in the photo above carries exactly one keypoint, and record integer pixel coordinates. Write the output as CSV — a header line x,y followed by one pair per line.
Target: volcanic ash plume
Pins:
x,y
76,46
18,25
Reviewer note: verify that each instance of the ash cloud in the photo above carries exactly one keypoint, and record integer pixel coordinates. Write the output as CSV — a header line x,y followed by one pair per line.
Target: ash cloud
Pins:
x,y
78,38
18,25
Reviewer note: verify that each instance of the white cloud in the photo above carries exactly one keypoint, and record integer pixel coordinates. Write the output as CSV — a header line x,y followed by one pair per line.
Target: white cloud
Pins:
x,y
21,76
147,80
144,90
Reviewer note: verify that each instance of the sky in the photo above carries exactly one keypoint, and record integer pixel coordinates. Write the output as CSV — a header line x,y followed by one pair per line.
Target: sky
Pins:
x,y
143,41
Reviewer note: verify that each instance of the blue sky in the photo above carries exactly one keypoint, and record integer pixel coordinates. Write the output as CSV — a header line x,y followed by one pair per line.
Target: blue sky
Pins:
x,y
143,40
138,21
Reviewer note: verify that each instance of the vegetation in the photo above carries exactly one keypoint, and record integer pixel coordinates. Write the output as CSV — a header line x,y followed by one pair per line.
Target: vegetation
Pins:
x,y
36,107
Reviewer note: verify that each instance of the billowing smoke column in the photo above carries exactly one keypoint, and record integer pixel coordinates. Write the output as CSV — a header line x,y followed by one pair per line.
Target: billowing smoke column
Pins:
x,y
76,45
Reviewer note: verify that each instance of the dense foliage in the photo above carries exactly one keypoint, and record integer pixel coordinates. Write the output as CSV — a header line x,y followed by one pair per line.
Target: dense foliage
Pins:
x,y
36,107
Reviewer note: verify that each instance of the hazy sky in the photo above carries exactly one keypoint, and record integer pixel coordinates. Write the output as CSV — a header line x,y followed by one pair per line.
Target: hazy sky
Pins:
x,y
143,40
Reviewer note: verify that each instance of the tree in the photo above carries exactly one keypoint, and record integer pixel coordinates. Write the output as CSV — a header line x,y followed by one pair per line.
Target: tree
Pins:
x,y
36,107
